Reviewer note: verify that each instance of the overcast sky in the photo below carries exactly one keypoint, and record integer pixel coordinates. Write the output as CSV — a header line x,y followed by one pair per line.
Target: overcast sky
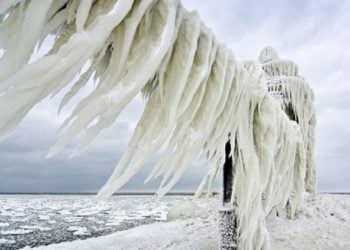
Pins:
x,y
314,34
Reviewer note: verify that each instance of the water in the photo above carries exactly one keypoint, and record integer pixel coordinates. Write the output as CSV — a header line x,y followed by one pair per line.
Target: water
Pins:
x,y
33,220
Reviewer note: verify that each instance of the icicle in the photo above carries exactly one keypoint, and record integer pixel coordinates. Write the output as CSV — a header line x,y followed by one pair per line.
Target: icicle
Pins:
x,y
5,5
199,72
192,143
183,56
31,30
108,104
79,48
82,14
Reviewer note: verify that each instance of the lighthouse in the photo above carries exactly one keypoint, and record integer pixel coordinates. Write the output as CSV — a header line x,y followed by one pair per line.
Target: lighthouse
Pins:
x,y
296,98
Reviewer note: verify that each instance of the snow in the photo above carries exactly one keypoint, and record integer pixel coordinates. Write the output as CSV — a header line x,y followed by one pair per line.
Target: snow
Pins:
x,y
196,95
324,223
44,217
187,209
36,228
79,230
15,232
184,234
6,242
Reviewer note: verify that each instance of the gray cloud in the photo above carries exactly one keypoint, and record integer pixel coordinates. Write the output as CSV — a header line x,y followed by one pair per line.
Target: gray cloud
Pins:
x,y
314,34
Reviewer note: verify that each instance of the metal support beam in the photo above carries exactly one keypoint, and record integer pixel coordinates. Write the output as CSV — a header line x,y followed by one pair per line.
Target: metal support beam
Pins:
x,y
227,175
228,212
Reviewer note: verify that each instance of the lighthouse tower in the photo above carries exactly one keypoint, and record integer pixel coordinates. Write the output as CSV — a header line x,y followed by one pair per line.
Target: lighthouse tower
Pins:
x,y
280,74
296,99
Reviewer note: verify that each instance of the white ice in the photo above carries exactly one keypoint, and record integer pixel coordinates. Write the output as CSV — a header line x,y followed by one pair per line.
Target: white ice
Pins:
x,y
196,94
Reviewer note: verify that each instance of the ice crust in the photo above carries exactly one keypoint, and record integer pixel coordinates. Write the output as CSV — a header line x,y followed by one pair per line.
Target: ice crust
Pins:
x,y
196,94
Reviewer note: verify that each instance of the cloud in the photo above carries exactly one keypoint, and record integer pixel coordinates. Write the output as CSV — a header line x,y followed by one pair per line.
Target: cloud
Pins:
x,y
314,34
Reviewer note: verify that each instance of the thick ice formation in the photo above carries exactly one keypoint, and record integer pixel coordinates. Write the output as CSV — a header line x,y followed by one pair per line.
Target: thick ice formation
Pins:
x,y
196,95
297,99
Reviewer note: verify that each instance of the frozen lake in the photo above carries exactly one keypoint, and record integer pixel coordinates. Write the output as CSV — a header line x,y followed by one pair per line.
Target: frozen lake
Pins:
x,y
33,220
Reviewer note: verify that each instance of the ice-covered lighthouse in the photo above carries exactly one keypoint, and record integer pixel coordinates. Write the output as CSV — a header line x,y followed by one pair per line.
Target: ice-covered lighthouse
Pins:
x,y
296,97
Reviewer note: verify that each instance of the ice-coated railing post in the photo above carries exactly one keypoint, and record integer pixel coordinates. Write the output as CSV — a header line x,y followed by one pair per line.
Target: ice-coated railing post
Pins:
x,y
228,212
